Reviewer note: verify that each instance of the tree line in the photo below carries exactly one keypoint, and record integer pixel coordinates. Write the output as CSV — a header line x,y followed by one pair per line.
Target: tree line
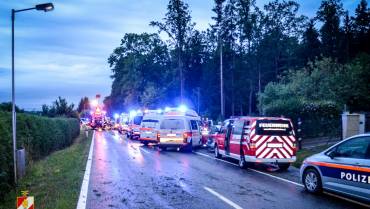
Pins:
x,y
260,47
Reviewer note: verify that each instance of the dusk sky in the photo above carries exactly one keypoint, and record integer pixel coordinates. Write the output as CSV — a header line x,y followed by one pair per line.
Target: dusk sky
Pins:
x,y
64,52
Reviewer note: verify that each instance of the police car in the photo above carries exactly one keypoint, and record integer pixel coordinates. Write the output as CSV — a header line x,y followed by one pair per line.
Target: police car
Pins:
x,y
343,168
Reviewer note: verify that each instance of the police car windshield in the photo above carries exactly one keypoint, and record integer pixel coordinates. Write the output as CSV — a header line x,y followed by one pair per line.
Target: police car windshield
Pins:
x,y
149,123
173,124
274,128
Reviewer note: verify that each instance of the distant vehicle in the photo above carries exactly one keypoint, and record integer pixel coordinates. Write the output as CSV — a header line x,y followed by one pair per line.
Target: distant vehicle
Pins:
x,y
343,168
180,129
258,140
150,126
123,127
134,124
97,119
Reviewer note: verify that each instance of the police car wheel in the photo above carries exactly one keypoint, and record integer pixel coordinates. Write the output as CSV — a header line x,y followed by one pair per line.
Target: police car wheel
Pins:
x,y
312,181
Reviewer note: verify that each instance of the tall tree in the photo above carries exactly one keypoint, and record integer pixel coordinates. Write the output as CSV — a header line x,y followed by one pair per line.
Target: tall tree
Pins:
x,y
140,65
330,13
310,46
362,27
84,105
178,26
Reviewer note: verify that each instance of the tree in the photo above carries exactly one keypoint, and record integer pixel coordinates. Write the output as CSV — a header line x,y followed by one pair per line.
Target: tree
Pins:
x,y
84,105
141,62
310,46
362,27
59,108
329,13
178,26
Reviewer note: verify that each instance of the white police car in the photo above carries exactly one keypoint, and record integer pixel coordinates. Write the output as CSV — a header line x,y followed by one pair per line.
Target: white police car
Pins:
x,y
343,168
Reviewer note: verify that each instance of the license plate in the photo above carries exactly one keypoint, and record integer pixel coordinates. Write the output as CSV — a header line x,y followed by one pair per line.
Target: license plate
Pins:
x,y
171,134
274,145
148,132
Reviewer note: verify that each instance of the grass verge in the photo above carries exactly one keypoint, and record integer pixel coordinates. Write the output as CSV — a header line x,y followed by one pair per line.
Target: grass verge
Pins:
x,y
55,181
304,153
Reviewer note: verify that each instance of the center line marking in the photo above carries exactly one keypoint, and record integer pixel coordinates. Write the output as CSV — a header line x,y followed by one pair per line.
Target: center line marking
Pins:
x,y
229,202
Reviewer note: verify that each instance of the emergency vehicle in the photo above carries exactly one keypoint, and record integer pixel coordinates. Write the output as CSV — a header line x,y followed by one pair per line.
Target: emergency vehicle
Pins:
x,y
258,140
134,122
97,118
343,168
150,126
180,128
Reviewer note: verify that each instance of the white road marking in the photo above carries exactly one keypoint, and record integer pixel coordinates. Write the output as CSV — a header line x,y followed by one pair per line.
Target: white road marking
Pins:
x,y
85,182
146,151
285,180
263,173
281,179
229,202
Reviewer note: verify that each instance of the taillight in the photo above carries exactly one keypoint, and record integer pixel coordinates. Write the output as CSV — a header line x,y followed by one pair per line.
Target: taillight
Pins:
x,y
158,137
252,146
294,148
186,135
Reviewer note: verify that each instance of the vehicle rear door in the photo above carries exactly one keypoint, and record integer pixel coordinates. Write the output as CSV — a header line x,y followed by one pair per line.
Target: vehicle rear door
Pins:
x,y
172,130
273,139
235,138
195,132
348,170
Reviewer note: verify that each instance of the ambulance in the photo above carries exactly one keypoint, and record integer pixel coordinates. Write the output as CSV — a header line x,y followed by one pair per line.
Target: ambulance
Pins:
x,y
150,126
180,128
258,140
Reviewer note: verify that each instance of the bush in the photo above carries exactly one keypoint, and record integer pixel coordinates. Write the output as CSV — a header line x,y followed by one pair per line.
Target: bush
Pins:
x,y
38,135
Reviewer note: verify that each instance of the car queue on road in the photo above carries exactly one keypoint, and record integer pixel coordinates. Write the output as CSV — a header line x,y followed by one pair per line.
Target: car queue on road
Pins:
x,y
343,168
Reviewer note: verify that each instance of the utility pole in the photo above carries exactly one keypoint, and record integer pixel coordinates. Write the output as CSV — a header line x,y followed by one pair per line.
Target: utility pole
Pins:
x,y
14,122
221,81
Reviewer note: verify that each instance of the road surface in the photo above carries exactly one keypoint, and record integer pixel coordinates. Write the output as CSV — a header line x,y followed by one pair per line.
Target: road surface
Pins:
x,y
125,174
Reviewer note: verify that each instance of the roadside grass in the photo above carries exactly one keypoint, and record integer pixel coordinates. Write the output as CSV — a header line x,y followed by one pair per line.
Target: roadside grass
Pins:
x,y
55,181
304,153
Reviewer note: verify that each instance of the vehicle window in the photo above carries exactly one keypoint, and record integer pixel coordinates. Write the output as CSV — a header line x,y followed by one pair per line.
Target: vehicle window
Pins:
x,y
238,127
274,128
194,125
173,124
149,123
137,120
354,148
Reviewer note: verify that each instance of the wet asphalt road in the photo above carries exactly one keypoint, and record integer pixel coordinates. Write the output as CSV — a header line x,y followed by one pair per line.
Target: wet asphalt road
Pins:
x,y
125,174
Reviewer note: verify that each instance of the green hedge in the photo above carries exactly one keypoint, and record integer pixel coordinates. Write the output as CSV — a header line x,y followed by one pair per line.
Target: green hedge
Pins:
x,y
318,118
38,135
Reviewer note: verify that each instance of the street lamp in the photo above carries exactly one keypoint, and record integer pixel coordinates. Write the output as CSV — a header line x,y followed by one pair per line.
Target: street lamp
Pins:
x,y
43,7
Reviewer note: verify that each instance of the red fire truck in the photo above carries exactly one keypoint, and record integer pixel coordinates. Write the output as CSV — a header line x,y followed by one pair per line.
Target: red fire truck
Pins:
x,y
258,140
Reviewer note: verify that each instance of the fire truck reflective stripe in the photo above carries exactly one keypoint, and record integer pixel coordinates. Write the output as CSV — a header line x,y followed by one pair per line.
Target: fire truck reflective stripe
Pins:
x,y
264,153
262,144
262,140
347,167
275,152
288,141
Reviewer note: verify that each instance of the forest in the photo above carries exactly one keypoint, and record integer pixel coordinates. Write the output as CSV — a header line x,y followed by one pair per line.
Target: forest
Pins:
x,y
275,61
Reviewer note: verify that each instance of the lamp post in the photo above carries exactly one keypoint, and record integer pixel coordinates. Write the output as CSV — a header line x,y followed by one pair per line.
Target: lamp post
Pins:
x,y
42,7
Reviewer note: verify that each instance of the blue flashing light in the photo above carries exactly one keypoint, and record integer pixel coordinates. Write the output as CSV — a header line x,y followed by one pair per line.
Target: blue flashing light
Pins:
x,y
159,111
167,109
182,108
116,116
133,113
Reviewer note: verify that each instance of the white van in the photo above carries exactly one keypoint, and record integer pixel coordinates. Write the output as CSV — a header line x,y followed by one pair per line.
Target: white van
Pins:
x,y
180,129
149,126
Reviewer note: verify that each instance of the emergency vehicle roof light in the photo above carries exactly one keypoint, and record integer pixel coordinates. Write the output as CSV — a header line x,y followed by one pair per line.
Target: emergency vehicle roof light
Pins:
x,y
167,109
159,111
94,103
138,112
146,111
182,108
133,113
116,116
